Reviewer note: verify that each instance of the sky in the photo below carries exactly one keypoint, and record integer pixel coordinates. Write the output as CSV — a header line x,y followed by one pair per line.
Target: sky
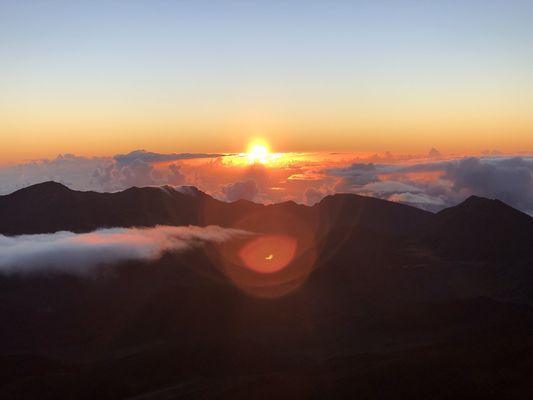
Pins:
x,y
420,102
97,79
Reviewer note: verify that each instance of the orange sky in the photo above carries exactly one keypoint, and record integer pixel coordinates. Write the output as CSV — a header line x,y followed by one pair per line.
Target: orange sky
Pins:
x,y
101,79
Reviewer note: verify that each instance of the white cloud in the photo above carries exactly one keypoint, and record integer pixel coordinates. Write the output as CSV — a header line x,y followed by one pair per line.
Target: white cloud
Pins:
x,y
76,254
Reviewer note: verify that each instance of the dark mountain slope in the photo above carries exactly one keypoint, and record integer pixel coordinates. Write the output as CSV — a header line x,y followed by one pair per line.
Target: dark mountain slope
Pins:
x,y
383,216
480,229
400,303
51,207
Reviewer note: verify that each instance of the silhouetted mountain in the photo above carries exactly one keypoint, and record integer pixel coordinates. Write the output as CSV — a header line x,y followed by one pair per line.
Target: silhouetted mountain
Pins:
x,y
51,207
399,303
341,210
481,229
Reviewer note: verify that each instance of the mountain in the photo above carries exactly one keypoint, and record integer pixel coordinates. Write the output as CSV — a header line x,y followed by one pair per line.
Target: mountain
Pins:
x,y
480,229
399,303
51,207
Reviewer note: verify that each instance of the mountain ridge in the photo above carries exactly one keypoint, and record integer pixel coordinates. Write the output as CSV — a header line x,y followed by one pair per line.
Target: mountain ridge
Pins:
x,y
394,292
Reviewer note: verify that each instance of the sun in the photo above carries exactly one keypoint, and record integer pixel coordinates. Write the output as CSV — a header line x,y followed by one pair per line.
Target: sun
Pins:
x,y
258,153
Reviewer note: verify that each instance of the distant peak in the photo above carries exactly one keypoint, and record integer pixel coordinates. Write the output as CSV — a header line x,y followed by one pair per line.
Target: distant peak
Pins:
x,y
189,191
337,196
51,184
48,186
481,205
473,199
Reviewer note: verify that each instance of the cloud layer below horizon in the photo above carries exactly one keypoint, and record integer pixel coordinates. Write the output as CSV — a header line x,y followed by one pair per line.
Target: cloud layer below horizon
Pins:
x,y
78,254
431,181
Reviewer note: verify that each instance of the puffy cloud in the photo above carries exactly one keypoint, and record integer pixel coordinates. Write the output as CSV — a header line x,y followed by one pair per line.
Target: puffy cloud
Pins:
x,y
354,175
71,170
430,181
508,179
245,190
77,254
137,168
140,168
433,185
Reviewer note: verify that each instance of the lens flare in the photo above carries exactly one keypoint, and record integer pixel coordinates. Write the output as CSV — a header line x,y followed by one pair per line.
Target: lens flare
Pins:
x,y
276,259
269,253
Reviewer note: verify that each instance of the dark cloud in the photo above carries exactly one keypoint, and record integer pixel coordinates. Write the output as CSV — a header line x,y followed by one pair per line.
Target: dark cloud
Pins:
x,y
507,179
429,181
150,157
245,190
354,175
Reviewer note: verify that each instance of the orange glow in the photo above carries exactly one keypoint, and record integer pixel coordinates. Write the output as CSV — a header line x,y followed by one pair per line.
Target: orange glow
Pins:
x,y
268,254
272,263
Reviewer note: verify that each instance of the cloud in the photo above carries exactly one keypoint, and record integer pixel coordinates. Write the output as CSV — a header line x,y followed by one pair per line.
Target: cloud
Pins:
x,y
434,153
150,157
137,168
417,199
354,175
431,181
386,188
313,196
71,170
140,168
78,254
245,190
508,179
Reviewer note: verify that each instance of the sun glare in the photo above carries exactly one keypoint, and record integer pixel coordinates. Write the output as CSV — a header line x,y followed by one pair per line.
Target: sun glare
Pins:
x,y
258,153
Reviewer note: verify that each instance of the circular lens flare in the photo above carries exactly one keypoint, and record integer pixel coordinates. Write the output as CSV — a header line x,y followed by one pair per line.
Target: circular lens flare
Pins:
x,y
268,254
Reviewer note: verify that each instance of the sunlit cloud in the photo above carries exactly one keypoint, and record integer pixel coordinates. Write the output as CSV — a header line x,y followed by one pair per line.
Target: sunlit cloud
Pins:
x,y
431,181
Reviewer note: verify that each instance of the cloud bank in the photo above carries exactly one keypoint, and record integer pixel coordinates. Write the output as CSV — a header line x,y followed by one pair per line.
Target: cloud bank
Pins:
x,y
78,254
433,185
431,181
245,190
137,168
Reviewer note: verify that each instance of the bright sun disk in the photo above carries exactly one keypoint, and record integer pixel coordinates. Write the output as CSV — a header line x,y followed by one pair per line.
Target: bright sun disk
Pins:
x,y
258,153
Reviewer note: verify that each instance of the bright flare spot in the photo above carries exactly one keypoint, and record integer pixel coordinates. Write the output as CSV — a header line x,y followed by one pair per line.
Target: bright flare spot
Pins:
x,y
268,254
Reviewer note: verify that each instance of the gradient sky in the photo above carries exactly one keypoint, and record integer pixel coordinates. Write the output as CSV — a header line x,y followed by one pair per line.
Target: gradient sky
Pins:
x,y
99,78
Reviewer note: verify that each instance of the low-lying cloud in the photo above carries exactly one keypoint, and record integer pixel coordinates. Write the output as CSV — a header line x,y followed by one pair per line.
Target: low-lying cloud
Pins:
x,y
119,172
434,185
431,181
77,254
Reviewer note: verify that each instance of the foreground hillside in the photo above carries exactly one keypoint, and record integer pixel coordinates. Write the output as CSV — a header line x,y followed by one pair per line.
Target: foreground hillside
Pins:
x,y
399,303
